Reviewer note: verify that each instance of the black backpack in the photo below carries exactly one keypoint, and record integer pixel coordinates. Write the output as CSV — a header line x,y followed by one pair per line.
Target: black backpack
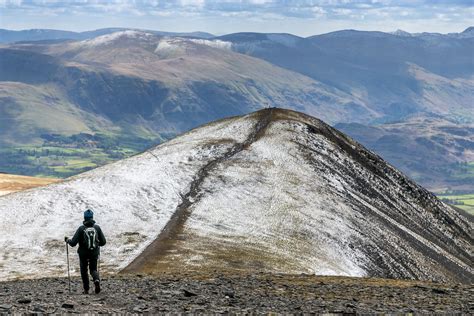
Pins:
x,y
91,239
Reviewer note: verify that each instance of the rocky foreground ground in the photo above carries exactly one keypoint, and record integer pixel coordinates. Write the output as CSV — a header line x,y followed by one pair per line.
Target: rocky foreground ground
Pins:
x,y
260,293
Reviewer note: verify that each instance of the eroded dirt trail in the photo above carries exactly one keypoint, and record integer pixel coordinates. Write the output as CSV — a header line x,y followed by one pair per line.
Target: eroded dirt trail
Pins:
x,y
172,232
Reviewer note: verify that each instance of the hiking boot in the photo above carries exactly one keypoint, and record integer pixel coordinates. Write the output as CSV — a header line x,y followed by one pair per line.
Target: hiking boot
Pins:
x,y
86,292
97,286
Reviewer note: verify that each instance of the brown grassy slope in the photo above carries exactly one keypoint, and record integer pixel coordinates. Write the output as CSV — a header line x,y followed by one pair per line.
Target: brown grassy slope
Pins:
x,y
13,183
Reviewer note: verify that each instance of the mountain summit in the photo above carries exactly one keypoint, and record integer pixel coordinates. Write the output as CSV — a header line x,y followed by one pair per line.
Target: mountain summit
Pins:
x,y
275,191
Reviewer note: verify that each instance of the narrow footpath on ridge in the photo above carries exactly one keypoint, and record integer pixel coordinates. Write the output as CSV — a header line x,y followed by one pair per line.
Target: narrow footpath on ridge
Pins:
x,y
174,228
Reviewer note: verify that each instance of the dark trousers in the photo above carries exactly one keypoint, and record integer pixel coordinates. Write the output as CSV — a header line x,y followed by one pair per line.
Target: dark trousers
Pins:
x,y
91,262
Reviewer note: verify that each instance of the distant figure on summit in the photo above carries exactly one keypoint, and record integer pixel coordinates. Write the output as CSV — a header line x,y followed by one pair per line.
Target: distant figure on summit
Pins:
x,y
90,239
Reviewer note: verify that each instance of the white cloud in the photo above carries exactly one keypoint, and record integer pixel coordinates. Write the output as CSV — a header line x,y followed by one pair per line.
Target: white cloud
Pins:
x,y
194,3
319,10
211,15
342,11
4,3
260,1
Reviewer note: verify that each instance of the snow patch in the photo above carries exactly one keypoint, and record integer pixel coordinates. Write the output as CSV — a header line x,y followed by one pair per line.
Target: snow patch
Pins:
x,y
213,43
109,38
175,46
170,47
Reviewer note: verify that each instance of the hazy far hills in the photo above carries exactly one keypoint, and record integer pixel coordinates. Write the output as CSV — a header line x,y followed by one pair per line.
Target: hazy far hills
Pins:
x,y
10,36
395,76
435,152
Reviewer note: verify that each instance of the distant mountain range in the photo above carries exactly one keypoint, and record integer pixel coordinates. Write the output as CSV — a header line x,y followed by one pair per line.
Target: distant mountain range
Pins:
x,y
394,76
144,84
10,36
469,32
153,85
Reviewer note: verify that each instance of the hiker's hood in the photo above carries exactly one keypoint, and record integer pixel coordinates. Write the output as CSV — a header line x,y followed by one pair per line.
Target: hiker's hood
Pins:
x,y
89,223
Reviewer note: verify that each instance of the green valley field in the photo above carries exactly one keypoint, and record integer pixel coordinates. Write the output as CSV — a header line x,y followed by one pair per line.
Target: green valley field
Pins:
x,y
62,156
462,201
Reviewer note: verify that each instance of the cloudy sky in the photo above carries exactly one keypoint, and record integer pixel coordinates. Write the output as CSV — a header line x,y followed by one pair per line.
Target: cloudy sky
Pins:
x,y
300,17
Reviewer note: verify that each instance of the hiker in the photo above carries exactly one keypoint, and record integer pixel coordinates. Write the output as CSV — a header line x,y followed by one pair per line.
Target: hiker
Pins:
x,y
90,239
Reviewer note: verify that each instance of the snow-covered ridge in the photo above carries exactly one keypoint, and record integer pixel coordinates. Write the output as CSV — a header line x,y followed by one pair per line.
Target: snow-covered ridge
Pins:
x,y
303,198
468,33
173,46
213,43
274,190
401,33
109,38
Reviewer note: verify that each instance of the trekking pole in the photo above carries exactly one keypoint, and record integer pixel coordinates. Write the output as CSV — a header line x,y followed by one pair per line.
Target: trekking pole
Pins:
x,y
68,274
